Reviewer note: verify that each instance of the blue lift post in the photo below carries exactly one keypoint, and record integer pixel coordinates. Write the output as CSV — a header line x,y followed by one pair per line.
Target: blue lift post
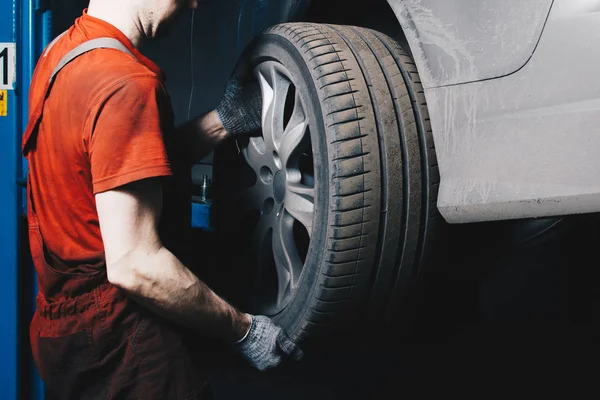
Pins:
x,y
25,29
9,201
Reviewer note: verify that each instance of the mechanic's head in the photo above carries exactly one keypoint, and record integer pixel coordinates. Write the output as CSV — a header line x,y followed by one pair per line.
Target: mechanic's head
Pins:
x,y
150,17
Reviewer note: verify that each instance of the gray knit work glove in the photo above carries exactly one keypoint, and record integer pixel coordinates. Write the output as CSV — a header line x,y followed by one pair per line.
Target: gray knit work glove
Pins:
x,y
266,344
241,106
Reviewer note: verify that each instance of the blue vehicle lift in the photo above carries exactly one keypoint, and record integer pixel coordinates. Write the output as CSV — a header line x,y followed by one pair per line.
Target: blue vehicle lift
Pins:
x,y
25,29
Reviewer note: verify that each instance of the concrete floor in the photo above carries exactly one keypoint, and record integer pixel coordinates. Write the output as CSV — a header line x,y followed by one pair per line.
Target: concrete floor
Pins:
x,y
502,318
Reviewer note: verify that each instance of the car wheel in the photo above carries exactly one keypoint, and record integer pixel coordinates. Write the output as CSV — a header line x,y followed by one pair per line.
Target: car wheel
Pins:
x,y
330,214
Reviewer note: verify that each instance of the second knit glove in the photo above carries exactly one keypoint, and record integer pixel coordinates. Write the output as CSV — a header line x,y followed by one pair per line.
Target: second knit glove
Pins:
x,y
266,344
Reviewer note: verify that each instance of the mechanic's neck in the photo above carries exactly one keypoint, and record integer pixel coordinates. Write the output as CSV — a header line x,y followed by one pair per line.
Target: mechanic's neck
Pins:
x,y
124,15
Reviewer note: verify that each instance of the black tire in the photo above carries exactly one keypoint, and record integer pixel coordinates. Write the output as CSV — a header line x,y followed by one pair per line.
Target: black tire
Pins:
x,y
375,178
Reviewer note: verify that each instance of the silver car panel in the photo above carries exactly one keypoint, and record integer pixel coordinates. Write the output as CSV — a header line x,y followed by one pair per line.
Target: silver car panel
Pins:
x,y
526,144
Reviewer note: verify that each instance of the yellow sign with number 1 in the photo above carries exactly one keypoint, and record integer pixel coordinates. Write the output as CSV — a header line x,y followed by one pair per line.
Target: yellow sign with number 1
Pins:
x,y
3,103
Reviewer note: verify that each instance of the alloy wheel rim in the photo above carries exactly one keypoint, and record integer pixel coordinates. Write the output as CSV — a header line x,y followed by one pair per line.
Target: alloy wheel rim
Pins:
x,y
283,193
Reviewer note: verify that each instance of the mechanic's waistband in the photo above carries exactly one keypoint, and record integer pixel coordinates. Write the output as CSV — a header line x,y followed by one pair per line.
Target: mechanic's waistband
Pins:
x,y
99,296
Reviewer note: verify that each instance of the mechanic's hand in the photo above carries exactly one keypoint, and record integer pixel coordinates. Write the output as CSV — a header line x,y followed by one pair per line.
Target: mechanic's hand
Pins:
x,y
266,344
241,106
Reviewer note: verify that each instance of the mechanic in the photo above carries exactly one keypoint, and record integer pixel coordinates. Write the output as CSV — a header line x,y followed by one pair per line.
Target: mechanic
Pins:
x,y
118,314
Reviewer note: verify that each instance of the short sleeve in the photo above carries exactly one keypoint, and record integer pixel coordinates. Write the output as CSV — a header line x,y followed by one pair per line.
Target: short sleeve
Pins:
x,y
127,137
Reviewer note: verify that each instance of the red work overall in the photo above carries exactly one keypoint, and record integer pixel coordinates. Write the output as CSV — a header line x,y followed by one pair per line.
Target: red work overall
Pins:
x,y
95,343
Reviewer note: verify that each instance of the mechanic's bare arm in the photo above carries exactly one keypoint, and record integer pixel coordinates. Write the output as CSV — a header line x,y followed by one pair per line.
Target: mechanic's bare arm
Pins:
x,y
237,114
138,263
203,134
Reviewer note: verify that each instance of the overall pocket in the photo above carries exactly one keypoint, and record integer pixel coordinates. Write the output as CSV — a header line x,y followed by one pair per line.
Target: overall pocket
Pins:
x,y
67,364
168,369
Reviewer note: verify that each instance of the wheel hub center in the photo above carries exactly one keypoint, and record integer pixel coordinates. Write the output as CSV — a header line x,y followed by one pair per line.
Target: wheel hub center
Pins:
x,y
279,186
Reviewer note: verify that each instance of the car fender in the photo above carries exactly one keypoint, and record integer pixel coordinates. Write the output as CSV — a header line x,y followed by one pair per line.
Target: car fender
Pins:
x,y
460,41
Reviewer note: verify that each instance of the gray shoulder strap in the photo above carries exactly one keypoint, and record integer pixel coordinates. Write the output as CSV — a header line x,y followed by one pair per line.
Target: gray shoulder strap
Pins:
x,y
52,43
104,42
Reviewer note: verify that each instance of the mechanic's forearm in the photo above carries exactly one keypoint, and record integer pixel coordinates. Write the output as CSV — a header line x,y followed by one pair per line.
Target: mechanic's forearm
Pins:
x,y
203,134
161,283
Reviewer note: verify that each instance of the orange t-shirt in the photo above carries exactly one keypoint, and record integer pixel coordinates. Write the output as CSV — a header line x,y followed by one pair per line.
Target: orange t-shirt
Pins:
x,y
104,125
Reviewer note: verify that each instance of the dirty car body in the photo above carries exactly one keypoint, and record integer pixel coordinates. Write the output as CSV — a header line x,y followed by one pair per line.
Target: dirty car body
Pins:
x,y
514,101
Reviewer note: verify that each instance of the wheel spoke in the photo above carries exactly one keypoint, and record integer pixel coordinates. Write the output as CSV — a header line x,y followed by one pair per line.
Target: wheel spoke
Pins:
x,y
274,86
266,87
298,115
285,253
255,196
300,203
263,230
254,153
292,141
295,132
